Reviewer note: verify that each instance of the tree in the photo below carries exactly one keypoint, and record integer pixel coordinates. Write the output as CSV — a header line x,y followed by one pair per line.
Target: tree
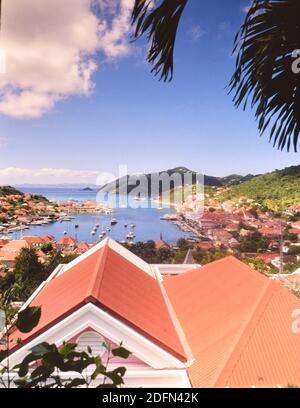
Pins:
x,y
28,273
47,247
264,45
56,258
161,24
264,76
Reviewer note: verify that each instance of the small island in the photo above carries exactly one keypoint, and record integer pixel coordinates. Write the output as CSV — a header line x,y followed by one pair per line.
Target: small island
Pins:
x,y
87,189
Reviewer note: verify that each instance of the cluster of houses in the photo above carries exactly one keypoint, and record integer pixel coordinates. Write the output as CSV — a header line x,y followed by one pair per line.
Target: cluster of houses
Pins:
x,y
23,209
86,207
11,249
227,225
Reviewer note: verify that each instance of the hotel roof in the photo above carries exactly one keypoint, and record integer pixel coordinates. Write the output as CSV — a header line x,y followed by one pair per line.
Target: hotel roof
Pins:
x,y
236,322
107,279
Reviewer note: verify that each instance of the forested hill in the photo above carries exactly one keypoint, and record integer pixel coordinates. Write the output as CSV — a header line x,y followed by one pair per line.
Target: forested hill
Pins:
x,y
8,190
276,190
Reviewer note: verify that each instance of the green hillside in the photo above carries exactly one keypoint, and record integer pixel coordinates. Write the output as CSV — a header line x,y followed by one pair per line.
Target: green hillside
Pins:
x,y
8,190
276,190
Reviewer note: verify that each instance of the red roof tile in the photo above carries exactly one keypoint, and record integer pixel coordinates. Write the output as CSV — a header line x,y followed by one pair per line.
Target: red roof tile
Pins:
x,y
107,279
238,324
67,241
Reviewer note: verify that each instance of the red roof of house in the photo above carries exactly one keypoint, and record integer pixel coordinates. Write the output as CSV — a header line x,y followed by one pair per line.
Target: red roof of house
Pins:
x,y
296,224
31,240
3,242
267,257
67,241
205,246
294,231
12,250
270,231
238,324
109,280
82,247
161,244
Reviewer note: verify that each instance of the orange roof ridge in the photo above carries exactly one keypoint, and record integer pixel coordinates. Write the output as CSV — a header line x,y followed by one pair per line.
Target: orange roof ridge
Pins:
x,y
97,277
178,328
247,332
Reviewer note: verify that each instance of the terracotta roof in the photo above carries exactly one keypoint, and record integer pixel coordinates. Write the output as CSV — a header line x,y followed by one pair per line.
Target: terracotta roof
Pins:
x,y
205,245
270,231
161,244
67,241
33,240
11,250
267,257
294,231
109,280
238,324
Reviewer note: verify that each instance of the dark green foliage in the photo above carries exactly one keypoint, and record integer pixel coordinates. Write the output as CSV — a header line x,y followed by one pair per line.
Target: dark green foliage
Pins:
x,y
8,190
148,252
183,244
56,258
43,366
263,77
160,23
53,361
47,247
275,191
253,243
28,272
205,257
28,319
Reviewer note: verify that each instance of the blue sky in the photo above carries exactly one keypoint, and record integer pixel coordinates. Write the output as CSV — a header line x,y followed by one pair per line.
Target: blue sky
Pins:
x,y
132,118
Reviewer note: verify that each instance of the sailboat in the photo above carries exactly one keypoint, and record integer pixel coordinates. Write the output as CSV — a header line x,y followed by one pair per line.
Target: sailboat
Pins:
x,y
113,221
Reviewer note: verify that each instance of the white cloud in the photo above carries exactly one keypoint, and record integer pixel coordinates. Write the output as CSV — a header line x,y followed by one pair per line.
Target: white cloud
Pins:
x,y
15,175
196,32
52,50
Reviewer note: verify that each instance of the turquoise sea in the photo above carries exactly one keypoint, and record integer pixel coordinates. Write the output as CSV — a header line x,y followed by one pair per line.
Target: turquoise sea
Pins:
x,y
147,220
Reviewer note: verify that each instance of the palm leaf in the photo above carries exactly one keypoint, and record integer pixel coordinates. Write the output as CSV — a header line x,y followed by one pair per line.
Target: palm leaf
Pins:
x,y
160,23
263,75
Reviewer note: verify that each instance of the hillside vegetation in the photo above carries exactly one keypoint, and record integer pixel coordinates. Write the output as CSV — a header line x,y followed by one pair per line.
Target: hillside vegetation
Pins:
x,y
8,190
276,190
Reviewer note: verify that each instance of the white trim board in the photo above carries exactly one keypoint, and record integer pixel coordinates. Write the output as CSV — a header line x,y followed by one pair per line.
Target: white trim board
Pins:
x,y
91,316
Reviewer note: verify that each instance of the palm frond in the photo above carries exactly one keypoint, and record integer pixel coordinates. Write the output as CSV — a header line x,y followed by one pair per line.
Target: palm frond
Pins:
x,y
160,23
263,76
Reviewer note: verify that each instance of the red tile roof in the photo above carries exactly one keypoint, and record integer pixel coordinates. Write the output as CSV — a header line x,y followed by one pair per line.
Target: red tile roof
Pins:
x,y
267,257
238,324
296,224
270,231
67,241
205,246
109,280
295,231
161,244
11,251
